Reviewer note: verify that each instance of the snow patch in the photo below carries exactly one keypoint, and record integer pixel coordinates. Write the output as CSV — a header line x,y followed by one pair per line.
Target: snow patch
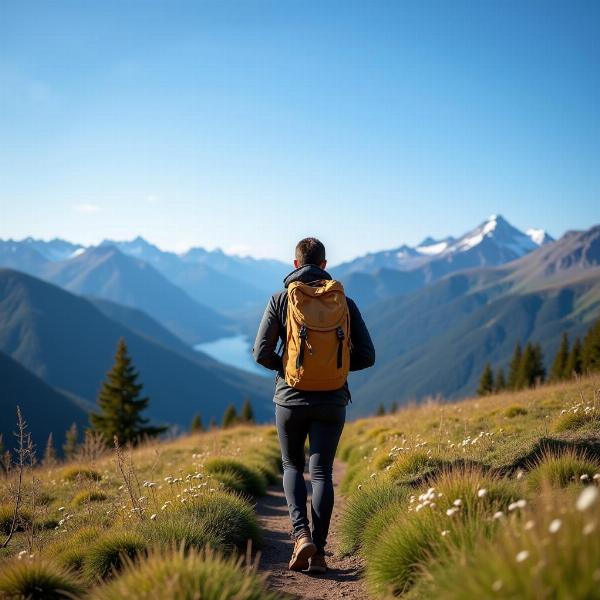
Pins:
x,y
432,249
77,253
537,236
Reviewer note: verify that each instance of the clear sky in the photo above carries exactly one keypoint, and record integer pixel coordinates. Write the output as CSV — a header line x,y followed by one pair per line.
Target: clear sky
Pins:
x,y
247,125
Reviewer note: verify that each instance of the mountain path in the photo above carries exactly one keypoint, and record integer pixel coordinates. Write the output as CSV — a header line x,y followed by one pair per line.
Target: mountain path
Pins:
x,y
343,579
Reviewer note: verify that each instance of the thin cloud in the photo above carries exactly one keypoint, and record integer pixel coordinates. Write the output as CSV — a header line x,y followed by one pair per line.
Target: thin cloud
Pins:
x,y
153,200
87,208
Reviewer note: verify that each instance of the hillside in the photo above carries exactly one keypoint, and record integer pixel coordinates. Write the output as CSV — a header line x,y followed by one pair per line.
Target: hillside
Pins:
x,y
69,343
46,409
437,339
467,500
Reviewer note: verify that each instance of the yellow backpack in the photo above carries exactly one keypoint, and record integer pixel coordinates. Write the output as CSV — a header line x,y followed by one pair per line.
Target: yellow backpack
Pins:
x,y
317,350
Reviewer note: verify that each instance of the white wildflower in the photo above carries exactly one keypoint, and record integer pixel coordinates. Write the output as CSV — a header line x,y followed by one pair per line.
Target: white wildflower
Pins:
x,y
589,528
61,508
523,555
498,515
497,585
587,498
457,502
555,525
452,511
445,532
481,493
584,477
529,525
152,517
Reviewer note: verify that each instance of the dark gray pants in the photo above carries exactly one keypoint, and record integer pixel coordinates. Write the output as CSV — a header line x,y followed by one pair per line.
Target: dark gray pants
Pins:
x,y
323,425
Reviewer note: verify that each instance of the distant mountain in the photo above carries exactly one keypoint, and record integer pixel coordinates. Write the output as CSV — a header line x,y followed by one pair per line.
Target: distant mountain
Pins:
x,y
55,249
45,409
65,340
21,256
107,273
384,274
437,339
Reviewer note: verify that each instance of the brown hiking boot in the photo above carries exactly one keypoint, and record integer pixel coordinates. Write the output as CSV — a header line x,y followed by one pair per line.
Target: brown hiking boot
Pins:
x,y
317,564
304,548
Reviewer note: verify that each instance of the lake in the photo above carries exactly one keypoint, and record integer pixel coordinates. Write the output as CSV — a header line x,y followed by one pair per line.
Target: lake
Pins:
x,y
236,351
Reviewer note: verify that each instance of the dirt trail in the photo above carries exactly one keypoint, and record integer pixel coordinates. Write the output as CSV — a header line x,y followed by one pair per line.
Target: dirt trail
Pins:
x,y
343,578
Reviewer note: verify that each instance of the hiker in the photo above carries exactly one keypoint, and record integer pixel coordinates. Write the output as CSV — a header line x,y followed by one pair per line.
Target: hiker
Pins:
x,y
311,334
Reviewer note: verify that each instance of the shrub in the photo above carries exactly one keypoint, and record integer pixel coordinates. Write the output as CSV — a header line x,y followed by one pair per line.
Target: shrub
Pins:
x,y
181,576
515,411
38,579
219,519
106,555
87,496
78,472
563,469
360,507
254,481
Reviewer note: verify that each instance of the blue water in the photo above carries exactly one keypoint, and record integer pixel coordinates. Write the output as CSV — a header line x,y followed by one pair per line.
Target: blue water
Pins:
x,y
235,351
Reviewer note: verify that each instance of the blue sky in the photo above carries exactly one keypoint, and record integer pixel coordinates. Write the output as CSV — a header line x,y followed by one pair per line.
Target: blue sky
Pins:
x,y
247,125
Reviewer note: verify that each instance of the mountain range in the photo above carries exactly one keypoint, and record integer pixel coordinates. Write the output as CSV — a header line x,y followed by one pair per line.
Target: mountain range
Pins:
x,y
437,312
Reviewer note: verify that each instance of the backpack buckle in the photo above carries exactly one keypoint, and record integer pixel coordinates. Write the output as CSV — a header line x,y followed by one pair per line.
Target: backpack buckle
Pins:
x,y
340,333
303,332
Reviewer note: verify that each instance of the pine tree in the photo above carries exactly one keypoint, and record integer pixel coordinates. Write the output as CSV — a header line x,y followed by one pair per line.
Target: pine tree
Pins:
x,y
197,425
121,404
247,413
486,381
229,417
590,351
539,370
49,453
559,366
212,424
515,365
525,377
574,364
380,410
71,442
394,408
499,380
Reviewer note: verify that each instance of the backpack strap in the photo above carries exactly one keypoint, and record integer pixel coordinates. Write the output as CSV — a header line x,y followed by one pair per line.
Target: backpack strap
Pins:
x,y
340,348
302,335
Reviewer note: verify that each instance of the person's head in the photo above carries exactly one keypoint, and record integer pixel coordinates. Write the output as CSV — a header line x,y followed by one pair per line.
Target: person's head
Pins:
x,y
310,251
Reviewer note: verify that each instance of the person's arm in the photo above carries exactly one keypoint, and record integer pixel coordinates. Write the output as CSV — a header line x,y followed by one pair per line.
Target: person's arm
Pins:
x,y
362,352
268,334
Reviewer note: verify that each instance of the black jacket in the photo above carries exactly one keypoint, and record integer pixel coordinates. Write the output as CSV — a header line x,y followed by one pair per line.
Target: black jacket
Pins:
x,y
270,340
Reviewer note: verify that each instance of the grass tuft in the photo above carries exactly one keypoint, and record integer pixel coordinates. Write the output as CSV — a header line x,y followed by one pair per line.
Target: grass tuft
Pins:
x,y
515,411
79,472
179,575
86,496
106,555
562,469
38,579
254,481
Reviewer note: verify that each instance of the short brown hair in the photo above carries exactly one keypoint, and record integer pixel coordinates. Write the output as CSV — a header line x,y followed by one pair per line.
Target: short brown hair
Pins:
x,y
310,251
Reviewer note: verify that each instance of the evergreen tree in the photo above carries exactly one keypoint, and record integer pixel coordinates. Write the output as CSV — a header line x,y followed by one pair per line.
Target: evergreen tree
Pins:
x,y
49,453
559,366
247,413
71,442
212,424
539,370
394,408
525,377
486,381
590,351
574,364
197,425
499,380
121,404
229,417
515,365
380,410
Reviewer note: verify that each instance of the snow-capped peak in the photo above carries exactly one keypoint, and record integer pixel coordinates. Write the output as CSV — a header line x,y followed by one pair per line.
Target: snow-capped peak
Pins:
x,y
537,236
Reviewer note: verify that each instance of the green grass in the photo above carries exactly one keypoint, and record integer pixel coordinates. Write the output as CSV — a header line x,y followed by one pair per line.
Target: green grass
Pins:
x,y
515,411
361,506
552,552
86,496
38,579
220,520
563,469
6,518
424,531
70,552
80,473
186,576
106,555
254,482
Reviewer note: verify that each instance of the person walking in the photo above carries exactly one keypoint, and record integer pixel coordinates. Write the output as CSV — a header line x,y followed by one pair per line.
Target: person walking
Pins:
x,y
312,335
